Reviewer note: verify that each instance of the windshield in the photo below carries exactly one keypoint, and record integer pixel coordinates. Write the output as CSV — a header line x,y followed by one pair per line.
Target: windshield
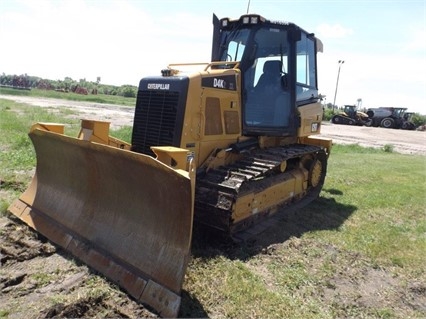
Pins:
x,y
265,80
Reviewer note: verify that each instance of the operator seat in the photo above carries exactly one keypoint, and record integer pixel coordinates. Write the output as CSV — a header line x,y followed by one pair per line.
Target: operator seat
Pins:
x,y
270,91
271,76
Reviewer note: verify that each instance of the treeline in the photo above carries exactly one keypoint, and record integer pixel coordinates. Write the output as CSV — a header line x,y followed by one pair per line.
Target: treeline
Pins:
x,y
28,82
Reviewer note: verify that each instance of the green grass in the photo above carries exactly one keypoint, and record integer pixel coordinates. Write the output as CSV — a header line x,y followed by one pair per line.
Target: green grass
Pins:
x,y
15,122
388,191
369,219
123,133
17,156
369,222
98,98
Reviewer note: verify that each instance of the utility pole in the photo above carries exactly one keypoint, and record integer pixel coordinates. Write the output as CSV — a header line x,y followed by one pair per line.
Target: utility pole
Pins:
x,y
337,83
359,102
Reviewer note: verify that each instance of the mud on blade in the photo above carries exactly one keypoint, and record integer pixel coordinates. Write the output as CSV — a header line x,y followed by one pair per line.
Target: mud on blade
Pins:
x,y
125,214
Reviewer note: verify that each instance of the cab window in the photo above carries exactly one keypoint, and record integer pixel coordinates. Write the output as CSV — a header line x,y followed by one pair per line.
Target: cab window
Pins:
x,y
306,85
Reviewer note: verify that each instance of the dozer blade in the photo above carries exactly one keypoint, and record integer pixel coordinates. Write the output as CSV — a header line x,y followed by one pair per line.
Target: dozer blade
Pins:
x,y
125,214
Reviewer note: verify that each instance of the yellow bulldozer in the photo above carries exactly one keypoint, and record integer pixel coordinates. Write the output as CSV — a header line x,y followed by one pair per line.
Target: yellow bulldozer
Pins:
x,y
225,144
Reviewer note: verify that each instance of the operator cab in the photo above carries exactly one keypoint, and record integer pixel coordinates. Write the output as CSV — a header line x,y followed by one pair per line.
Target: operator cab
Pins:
x,y
278,67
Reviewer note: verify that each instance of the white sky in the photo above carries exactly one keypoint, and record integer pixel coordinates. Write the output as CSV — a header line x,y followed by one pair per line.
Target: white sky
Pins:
x,y
382,42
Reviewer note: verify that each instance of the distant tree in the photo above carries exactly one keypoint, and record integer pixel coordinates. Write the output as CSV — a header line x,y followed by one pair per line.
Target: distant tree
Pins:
x,y
127,91
5,79
68,83
33,80
418,119
328,113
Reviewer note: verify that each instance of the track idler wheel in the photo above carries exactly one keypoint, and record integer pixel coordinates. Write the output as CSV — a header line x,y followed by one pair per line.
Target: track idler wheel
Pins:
x,y
317,171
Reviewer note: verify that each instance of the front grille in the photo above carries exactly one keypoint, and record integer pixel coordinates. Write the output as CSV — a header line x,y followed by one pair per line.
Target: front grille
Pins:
x,y
155,120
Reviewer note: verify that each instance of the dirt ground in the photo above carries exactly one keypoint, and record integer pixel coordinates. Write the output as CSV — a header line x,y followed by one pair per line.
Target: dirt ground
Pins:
x,y
40,280
403,141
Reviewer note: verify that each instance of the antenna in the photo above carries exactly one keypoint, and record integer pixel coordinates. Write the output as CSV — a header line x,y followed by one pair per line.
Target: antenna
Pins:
x,y
248,6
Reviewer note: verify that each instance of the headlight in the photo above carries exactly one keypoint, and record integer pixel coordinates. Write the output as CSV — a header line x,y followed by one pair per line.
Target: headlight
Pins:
x,y
254,20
